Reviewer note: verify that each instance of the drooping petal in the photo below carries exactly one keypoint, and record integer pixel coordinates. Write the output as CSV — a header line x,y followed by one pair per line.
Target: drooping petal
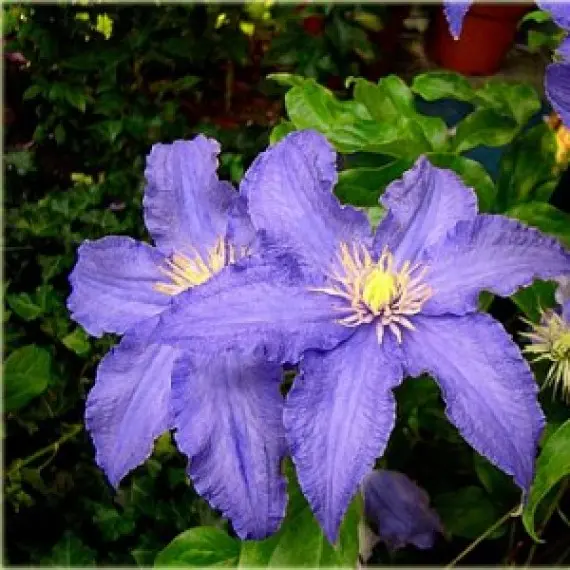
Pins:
x,y
560,12
557,87
112,285
255,307
129,405
454,13
185,205
338,418
492,253
228,417
423,206
488,388
400,510
289,191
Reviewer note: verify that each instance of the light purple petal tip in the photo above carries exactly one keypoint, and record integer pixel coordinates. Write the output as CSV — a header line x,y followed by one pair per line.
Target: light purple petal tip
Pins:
x,y
338,418
185,204
492,253
112,285
129,405
489,390
228,418
400,510
289,192
423,206
557,87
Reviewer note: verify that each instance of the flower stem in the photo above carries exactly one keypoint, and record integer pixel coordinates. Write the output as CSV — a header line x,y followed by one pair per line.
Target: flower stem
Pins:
x,y
482,537
549,514
52,447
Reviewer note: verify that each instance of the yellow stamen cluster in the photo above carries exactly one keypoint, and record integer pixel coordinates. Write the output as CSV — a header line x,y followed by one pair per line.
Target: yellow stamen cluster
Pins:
x,y
377,290
550,341
185,272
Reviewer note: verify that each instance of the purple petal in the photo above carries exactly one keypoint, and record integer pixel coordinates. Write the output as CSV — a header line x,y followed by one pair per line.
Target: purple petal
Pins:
x,y
563,50
128,407
566,312
289,191
400,510
562,296
112,285
455,12
261,307
557,86
338,418
489,390
228,416
423,206
560,12
185,205
492,253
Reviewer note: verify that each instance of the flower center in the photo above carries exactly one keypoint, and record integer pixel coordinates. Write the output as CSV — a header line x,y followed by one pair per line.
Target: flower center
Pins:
x,y
185,272
550,341
561,346
377,291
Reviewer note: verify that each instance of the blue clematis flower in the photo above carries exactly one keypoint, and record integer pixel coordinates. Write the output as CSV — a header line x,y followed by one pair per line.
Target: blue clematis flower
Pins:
x,y
557,79
227,411
365,310
399,510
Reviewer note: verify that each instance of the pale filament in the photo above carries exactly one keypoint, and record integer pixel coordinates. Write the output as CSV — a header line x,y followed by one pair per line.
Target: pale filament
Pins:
x,y
407,290
550,341
185,272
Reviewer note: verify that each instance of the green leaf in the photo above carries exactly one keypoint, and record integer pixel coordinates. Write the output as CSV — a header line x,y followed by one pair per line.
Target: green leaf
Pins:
x,y
527,166
552,465
77,341
346,124
517,100
435,85
298,542
391,100
468,512
301,542
59,134
281,130
24,306
472,174
32,92
531,300
27,372
199,547
111,523
484,127
69,552
537,16
545,217
363,186
287,79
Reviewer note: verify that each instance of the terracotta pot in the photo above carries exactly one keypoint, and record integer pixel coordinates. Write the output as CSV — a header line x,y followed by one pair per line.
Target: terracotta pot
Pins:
x,y
487,35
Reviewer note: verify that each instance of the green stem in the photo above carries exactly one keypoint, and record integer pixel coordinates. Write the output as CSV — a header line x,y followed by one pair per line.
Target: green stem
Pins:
x,y
549,514
52,447
483,536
